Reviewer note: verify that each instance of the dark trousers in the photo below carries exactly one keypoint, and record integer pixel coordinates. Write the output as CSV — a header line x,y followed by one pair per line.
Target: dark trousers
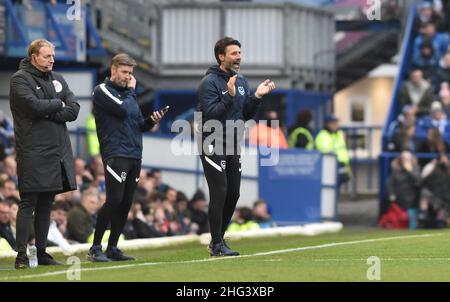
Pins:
x,y
33,207
223,174
121,178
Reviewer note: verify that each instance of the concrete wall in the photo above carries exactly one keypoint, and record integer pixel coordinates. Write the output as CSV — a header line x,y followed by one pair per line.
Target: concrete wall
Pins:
x,y
374,93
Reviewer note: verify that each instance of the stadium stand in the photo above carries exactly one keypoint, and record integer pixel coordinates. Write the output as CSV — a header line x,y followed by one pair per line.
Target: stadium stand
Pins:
x,y
418,117
307,82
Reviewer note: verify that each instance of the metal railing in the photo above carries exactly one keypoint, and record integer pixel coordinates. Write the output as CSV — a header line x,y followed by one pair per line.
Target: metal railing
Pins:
x,y
394,107
363,143
22,28
405,55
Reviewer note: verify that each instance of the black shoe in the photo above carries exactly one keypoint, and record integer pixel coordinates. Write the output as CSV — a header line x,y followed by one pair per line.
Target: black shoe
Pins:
x,y
22,262
115,254
221,249
46,259
236,253
226,245
95,254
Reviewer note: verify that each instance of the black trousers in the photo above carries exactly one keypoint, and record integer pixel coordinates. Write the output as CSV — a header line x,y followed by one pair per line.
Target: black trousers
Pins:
x,y
223,174
33,207
121,178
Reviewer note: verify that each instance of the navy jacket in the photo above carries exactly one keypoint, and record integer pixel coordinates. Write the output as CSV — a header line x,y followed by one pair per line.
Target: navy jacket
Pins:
x,y
216,104
119,121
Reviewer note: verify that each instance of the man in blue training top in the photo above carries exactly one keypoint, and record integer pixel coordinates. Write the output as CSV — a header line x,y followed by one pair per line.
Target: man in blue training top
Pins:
x,y
224,97
120,125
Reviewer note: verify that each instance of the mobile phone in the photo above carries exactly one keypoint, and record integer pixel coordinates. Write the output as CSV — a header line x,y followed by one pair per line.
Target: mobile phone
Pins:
x,y
164,110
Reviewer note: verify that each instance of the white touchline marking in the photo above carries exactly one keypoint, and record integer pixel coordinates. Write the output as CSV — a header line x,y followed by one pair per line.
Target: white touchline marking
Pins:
x,y
304,248
382,259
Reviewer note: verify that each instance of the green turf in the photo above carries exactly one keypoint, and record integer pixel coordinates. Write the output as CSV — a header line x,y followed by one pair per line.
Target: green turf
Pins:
x,y
407,259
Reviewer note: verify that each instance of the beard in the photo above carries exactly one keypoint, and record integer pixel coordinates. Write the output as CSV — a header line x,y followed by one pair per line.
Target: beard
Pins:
x,y
233,67
122,83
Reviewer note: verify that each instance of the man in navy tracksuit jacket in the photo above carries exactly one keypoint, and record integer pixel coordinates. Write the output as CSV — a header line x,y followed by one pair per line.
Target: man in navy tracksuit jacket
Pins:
x,y
224,96
120,124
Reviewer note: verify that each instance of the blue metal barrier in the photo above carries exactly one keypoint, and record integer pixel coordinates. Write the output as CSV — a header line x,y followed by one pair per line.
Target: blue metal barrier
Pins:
x,y
98,49
17,27
301,188
405,55
55,27
51,22
394,108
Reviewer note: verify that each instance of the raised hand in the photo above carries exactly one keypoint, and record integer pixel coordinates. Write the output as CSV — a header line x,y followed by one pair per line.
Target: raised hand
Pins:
x,y
231,85
265,88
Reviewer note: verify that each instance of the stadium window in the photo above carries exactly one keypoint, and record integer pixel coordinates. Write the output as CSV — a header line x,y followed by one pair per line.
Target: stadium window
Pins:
x,y
357,138
357,111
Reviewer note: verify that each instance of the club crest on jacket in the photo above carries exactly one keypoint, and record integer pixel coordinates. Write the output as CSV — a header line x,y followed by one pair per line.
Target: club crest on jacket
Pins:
x,y
123,176
57,85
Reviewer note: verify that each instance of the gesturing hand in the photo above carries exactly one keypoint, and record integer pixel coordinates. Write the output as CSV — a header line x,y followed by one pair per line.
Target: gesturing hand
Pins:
x,y
231,85
265,88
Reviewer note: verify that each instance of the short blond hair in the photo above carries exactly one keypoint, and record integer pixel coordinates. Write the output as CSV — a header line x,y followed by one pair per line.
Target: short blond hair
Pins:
x,y
123,59
36,45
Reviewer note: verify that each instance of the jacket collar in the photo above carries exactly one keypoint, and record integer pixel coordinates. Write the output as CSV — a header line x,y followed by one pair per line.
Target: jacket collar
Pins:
x,y
215,69
26,65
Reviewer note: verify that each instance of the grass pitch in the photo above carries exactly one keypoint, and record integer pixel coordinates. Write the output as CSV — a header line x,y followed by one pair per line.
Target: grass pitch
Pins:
x,y
422,255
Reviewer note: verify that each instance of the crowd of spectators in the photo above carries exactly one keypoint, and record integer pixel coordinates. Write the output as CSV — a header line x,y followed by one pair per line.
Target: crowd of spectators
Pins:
x,y
419,181
423,192
158,209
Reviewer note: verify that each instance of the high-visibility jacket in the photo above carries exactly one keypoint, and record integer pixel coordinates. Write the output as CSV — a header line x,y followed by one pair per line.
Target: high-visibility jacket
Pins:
x,y
4,246
91,136
329,142
237,227
293,137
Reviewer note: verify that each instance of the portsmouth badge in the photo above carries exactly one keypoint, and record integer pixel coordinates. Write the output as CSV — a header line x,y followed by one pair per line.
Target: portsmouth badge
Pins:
x,y
123,176
223,164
